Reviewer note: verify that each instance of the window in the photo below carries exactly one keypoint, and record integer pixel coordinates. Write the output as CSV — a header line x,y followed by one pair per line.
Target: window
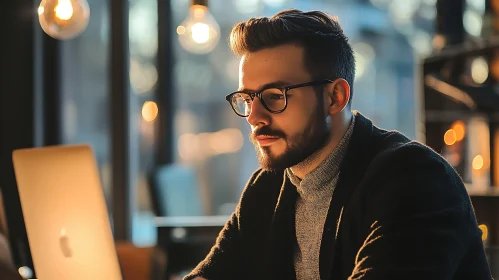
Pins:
x,y
85,89
143,36
204,121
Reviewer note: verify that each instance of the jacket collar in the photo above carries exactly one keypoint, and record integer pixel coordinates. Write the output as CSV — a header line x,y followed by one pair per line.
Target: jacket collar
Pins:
x,y
353,167
283,234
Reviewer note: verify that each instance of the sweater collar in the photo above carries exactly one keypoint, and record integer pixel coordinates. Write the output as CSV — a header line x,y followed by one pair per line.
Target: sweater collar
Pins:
x,y
316,182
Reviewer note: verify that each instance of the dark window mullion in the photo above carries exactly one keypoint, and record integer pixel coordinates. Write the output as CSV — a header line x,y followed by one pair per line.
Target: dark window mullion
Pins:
x,y
165,91
122,197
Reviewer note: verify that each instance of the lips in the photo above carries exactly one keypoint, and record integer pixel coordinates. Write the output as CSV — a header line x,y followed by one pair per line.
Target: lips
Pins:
x,y
265,140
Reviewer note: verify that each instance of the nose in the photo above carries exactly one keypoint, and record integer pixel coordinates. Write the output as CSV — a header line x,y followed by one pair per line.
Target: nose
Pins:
x,y
259,116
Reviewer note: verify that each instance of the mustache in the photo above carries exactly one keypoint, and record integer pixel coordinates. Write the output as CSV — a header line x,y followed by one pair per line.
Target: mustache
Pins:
x,y
266,130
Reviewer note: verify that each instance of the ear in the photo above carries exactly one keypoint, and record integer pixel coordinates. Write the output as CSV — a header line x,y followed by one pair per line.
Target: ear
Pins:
x,y
338,95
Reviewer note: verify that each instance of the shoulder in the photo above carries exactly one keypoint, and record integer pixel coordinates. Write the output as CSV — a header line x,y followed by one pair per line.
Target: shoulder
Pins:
x,y
403,171
411,157
394,151
410,177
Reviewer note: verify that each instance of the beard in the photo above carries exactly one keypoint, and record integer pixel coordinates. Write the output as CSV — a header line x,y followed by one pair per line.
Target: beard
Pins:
x,y
298,147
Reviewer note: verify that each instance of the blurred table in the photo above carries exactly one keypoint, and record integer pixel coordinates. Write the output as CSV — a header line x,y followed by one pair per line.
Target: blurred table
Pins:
x,y
187,240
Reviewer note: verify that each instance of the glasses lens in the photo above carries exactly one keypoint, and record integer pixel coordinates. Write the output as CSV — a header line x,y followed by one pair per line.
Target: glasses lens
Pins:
x,y
274,99
241,102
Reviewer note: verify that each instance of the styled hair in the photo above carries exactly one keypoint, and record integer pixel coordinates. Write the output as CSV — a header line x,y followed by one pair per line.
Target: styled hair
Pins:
x,y
327,53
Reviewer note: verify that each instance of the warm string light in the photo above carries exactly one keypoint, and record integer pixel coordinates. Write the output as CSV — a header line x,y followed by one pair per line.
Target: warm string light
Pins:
x,y
459,129
64,10
450,137
199,33
477,162
63,19
455,134
150,111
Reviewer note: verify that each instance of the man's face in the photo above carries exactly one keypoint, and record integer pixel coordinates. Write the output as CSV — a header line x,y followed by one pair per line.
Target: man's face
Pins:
x,y
285,139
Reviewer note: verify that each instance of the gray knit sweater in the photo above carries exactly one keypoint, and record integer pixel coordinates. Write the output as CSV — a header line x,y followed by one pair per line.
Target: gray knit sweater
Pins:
x,y
315,192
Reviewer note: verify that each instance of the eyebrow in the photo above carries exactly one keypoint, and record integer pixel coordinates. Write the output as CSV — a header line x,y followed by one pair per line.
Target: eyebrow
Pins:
x,y
276,84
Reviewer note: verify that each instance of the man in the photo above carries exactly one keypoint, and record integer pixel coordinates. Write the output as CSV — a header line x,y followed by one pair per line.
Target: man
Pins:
x,y
336,197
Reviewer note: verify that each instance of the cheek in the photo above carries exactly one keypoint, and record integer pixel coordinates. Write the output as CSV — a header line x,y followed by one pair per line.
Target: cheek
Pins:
x,y
293,123
297,116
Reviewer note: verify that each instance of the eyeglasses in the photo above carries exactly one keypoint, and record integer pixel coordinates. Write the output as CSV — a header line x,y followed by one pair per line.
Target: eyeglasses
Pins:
x,y
274,99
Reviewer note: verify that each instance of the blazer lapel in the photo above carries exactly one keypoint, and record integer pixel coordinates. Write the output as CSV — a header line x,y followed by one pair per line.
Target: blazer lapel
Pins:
x,y
283,234
351,172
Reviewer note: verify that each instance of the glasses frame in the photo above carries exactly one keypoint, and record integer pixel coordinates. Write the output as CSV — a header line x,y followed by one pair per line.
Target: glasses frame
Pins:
x,y
284,91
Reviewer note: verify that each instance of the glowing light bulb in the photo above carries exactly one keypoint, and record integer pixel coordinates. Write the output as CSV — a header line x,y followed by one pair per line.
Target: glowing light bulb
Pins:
x,y
150,111
460,129
477,162
63,19
450,137
199,33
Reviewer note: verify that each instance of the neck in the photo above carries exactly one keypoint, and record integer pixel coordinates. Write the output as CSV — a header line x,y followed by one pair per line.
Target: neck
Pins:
x,y
340,125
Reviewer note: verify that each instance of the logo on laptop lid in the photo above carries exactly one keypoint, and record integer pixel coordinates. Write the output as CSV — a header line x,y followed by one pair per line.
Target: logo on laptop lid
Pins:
x,y
65,244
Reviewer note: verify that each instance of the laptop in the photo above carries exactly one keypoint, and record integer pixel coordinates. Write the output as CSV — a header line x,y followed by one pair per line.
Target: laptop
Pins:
x,y
65,213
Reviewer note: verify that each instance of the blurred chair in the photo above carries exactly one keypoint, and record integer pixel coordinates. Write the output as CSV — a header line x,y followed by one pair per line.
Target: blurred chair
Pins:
x,y
175,191
176,194
148,263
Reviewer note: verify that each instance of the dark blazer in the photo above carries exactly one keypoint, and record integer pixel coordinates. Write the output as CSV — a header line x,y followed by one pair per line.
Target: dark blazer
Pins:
x,y
399,211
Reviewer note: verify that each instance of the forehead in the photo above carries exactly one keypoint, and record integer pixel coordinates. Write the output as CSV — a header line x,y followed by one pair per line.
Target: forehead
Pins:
x,y
282,63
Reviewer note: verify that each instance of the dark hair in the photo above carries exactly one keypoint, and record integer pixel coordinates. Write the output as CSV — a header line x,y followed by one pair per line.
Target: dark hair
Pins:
x,y
328,55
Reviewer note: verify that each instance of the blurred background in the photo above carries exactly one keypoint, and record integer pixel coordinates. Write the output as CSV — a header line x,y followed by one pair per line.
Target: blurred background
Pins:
x,y
144,84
